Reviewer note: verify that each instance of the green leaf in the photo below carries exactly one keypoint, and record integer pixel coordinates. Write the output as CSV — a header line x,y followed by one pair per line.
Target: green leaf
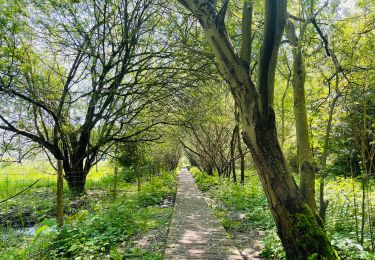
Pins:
x,y
73,248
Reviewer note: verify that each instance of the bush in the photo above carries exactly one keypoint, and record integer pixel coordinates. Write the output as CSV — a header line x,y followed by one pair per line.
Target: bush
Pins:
x,y
205,182
128,174
249,200
158,189
88,233
273,248
108,228
349,248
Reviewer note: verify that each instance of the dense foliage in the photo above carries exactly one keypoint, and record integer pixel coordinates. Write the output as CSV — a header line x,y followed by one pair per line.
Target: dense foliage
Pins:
x,y
232,200
104,228
282,88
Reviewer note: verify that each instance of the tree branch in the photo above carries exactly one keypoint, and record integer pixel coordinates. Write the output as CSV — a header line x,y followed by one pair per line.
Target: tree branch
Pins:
x,y
22,191
247,19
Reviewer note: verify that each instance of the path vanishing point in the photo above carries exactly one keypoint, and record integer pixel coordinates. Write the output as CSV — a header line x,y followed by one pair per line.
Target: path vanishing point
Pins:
x,y
194,232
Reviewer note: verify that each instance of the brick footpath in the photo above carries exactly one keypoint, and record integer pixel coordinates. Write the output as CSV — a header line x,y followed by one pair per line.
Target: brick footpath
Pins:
x,y
195,233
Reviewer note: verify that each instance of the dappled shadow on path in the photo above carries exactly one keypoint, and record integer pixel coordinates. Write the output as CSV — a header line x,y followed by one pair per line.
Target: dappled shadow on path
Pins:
x,y
194,231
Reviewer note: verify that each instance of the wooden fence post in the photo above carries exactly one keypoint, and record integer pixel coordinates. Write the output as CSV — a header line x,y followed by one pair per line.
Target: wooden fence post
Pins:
x,y
60,194
114,192
150,170
137,168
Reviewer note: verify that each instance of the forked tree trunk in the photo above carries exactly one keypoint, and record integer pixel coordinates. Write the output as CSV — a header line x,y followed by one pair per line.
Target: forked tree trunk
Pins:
x,y
298,227
75,177
77,163
76,181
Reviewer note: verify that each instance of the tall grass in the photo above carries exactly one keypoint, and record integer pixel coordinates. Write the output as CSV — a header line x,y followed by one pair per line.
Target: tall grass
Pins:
x,y
16,177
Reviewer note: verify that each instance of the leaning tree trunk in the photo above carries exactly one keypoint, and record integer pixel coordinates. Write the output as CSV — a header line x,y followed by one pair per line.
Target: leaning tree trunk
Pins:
x,y
305,157
298,227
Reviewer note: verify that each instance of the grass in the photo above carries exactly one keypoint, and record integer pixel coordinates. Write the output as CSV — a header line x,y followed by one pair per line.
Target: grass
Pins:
x,y
38,202
97,225
15,177
233,200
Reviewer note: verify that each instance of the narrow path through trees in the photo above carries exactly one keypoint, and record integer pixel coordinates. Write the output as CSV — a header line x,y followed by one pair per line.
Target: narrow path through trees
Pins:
x,y
195,233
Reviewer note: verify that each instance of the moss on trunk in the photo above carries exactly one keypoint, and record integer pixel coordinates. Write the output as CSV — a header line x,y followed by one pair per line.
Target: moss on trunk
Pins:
x,y
310,235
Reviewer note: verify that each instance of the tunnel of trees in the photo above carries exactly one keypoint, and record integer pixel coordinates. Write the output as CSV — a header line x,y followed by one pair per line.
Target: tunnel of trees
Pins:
x,y
282,87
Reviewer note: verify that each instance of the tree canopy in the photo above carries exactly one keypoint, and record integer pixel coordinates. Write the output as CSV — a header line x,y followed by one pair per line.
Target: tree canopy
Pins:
x,y
284,88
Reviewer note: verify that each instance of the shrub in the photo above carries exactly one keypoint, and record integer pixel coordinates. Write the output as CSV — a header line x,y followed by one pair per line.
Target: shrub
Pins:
x,y
205,182
158,189
89,233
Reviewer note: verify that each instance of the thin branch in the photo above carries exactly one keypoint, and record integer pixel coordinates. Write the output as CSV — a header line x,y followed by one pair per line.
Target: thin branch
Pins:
x,y
19,193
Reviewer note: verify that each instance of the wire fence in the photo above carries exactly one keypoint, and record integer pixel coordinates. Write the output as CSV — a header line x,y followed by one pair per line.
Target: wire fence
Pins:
x,y
29,195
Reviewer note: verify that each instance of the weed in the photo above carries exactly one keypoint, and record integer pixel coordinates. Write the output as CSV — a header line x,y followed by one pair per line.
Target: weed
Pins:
x,y
250,202
108,228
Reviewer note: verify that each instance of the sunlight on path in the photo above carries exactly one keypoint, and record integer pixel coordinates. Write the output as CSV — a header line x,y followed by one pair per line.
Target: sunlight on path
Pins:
x,y
195,233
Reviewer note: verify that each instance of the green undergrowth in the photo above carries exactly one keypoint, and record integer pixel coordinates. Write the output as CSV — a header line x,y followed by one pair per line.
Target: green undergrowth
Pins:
x,y
32,189
132,226
242,209
343,219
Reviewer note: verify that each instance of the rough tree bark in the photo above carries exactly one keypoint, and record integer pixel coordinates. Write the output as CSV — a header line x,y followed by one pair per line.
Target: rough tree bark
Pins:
x,y
76,177
304,152
298,227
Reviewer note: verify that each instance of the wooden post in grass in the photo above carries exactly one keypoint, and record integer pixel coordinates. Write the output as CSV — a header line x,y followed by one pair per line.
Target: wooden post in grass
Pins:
x,y
150,170
157,168
114,191
60,194
138,170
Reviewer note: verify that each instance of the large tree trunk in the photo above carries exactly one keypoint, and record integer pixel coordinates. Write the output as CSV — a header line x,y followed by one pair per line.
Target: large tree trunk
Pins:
x,y
76,168
76,180
298,227
305,157
77,162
